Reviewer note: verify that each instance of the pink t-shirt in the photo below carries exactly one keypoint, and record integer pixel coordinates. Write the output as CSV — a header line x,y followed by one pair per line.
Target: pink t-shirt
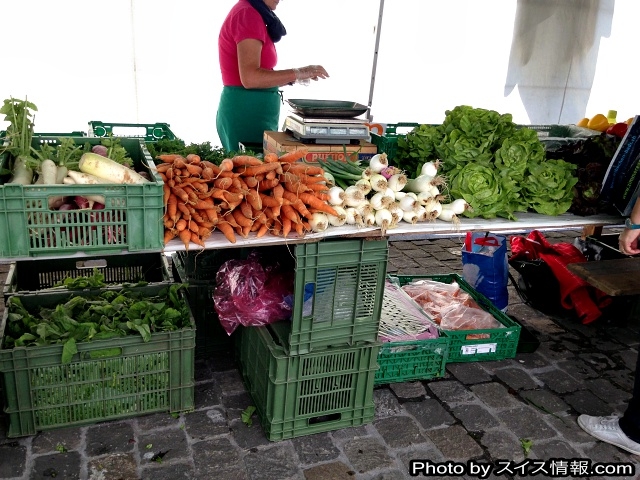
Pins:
x,y
242,22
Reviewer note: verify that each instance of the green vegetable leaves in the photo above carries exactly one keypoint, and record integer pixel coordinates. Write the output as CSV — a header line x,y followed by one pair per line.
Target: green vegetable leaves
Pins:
x,y
104,315
549,186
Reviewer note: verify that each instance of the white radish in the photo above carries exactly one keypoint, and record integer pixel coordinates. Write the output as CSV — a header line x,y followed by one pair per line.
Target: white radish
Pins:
x,y
336,195
340,219
21,173
378,162
319,222
107,169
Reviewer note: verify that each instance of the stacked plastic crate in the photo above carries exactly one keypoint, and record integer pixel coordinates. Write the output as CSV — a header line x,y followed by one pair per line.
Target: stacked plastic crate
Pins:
x,y
105,379
315,373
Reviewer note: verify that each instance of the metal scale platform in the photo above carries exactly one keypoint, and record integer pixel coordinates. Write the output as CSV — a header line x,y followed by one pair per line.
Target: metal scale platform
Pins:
x,y
327,121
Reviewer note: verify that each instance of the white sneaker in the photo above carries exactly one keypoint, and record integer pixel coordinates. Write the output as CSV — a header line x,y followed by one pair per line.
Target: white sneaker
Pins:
x,y
608,430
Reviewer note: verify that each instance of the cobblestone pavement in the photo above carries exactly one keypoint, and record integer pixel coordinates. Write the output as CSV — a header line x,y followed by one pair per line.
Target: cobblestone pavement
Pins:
x,y
480,412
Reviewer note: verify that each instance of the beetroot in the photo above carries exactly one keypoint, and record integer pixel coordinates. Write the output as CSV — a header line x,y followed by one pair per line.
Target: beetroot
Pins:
x,y
100,150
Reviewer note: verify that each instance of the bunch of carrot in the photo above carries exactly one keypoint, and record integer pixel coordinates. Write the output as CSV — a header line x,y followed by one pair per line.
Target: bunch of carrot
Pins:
x,y
244,194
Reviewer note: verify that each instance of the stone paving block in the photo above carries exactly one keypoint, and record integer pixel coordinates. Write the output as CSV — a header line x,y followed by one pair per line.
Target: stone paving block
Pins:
x,y
420,452
277,461
206,423
600,362
451,391
553,449
516,378
157,420
399,431
429,413
409,391
315,448
544,400
577,368
169,444
115,466
559,381
526,422
502,445
218,458
60,439
248,436
333,470
475,418
621,378
367,454
531,361
494,395
583,401
13,459
350,433
386,403
230,382
455,443
568,428
606,391
389,475
468,373
109,437
176,471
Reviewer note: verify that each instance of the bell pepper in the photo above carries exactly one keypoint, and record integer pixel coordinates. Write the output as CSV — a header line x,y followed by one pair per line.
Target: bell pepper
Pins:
x,y
618,129
583,123
598,122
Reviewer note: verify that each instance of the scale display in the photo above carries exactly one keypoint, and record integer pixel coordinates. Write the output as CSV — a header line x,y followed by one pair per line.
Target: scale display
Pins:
x,y
328,131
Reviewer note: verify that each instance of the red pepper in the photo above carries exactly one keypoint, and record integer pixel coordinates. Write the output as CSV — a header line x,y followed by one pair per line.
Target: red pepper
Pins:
x,y
618,129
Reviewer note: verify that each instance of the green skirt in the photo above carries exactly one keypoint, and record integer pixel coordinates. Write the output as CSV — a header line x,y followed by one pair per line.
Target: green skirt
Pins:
x,y
244,115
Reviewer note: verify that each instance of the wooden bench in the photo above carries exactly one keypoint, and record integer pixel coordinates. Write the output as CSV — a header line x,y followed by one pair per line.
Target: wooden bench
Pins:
x,y
617,277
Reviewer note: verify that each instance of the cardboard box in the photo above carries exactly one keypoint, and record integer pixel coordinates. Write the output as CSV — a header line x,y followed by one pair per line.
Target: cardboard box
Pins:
x,y
283,142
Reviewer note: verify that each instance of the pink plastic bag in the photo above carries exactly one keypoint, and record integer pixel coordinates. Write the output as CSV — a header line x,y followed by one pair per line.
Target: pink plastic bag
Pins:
x,y
250,294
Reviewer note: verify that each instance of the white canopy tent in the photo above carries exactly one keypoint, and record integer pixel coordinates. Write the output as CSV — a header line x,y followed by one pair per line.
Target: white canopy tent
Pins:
x,y
147,61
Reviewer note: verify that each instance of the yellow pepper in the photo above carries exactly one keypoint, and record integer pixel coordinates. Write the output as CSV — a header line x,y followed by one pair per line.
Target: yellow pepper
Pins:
x,y
583,123
598,122
630,120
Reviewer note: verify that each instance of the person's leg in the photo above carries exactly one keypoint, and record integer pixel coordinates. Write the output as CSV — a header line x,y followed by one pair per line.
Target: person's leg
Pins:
x,y
623,432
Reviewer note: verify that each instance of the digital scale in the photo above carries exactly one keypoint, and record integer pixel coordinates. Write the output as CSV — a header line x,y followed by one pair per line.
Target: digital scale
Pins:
x,y
338,131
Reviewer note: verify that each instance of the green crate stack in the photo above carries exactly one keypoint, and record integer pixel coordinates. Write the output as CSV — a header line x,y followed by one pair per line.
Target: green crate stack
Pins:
x,y
149,132
347,279
306,394
388,142
130,221
28,276
106,380
198,270
478,344
409,360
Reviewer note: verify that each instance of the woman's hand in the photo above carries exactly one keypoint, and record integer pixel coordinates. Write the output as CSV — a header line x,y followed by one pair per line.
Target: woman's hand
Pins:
x,y
628,241
313,72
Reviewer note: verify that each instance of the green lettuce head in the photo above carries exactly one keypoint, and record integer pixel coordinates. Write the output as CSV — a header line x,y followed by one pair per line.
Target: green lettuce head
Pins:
x,y
548,187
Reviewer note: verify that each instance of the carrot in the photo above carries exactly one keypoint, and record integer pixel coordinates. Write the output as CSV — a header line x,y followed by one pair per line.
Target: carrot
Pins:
x,y
204,204
172,207
205,231
226,165
180,162
313,179
244,231
318,204
270,157
233,199
185,236
193,226
245,161
251,182
286,226
269,201
181,194
227,231
254,199
212,214
258,169
166,193
245,208
293,156
184,210
195,238
163,167
277,193
299,228
241,219
270,175
207,173
181,224
193,158
193,169
302,168
316,187
264,228
169,234
295,187
268,184
168,157
222,183
201,187
289,212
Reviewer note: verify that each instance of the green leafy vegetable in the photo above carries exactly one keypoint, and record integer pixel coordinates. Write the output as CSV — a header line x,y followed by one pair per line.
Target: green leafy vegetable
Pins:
x,y
246,415
548,187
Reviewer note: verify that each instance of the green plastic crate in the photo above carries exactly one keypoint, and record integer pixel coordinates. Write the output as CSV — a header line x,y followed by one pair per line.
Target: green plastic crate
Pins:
x,y
497,344
131,220
409,360
106,380
76,133
202,266
388,143
347,279
30,276
211,337
307,394
149,132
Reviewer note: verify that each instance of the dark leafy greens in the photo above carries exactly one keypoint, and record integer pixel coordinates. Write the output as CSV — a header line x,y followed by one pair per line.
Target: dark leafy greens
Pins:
x,y
83,318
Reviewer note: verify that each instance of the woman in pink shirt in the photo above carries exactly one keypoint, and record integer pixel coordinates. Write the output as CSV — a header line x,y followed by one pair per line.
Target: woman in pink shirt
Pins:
x,y
250,100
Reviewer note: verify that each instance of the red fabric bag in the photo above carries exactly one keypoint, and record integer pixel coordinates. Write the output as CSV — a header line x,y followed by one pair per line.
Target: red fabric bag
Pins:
x,y
575,293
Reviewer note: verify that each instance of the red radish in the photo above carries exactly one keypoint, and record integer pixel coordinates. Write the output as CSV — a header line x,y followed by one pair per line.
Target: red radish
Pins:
x,y
100,150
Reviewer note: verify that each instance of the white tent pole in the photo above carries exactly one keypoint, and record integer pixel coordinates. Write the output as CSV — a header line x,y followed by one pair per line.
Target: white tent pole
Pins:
x,y
375,61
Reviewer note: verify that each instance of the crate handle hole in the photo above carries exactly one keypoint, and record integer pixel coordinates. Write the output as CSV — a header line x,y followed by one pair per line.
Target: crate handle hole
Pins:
x,y
325,418
91,264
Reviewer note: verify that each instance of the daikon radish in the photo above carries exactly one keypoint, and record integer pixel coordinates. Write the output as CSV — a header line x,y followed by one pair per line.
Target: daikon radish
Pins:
x,y
107,169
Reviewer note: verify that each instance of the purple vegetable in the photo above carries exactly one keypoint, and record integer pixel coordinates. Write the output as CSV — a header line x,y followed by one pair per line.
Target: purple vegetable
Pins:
x,y
82,202
100,150
387,172
68,206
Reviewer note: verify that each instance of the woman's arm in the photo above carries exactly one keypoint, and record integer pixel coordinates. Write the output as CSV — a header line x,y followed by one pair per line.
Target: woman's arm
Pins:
x,y
252,76
628,241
